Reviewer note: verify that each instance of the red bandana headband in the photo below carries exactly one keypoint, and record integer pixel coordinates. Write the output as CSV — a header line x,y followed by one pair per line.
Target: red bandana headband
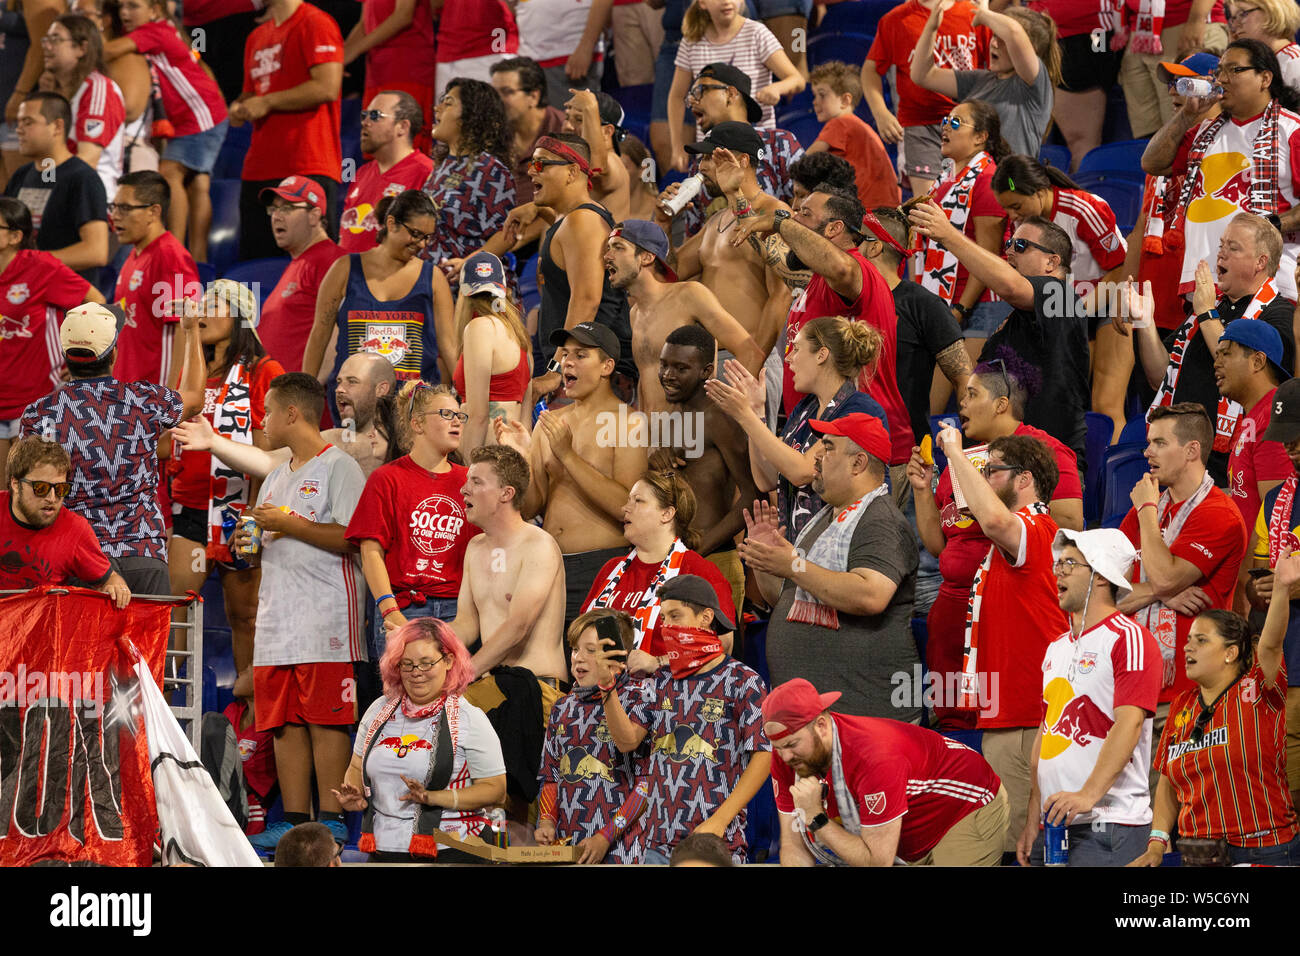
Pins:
x,y
553,145
878,231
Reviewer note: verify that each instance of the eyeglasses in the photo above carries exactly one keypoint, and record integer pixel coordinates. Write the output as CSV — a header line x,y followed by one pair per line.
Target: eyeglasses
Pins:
x,y
537,165
1228,71
950,122
697,91
285,209
990,468
1241,13
447,415
1020,245
42,489
54,41
124,207
416,234
1068,565
508,91
407,667
374,115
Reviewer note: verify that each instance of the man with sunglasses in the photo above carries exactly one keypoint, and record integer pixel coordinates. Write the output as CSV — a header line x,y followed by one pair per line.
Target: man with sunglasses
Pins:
x,y
41,542
389,128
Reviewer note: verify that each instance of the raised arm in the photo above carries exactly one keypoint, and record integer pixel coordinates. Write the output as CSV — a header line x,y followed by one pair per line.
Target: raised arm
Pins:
x,y
1000,525
1013,37
923,71
994,271
722,325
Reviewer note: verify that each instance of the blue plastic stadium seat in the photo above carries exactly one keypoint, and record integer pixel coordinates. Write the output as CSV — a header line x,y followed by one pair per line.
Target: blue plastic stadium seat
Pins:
x,y
636,102
260,274
1122,467
854,16
804,126
207,272
1053,154
108,274
850,48
1123,194
1134,431
230,158
223,236
1100,430
1116,159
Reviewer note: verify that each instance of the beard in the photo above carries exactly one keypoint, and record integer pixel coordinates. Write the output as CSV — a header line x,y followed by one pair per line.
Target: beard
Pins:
x,y
818,763
1007,495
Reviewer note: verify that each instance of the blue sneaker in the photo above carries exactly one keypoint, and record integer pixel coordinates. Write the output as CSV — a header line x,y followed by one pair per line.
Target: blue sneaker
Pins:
x,y
268,838
338,829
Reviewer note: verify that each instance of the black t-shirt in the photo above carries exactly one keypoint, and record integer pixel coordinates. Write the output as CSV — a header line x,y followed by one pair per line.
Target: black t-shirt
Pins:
x,y
553,284
925,328
1196,378
1054,339
61,201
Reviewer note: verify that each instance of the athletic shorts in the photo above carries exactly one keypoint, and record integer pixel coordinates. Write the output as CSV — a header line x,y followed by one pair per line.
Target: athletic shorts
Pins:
x,y
322,693
1082,68
922,152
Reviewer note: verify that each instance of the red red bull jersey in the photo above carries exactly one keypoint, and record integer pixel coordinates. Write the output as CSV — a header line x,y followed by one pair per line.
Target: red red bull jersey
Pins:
x,y
1113,664
149,282
1090,223
35,290
359,228
1252,460
1223,190
899,770
592,779
1232,783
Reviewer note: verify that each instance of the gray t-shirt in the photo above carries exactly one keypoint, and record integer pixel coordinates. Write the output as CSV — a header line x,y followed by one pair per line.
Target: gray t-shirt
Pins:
x,y
861,659
1024,110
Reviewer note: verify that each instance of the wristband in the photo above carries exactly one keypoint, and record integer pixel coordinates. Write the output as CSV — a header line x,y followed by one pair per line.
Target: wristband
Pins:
x,y
1148,504
392,610
1159,836
384,597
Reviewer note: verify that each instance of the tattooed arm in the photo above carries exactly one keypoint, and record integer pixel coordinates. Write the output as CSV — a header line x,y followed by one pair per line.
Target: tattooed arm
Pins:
x,y
772,249
954,362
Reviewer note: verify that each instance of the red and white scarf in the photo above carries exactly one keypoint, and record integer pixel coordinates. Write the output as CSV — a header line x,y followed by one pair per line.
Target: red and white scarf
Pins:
x,y
1141,31
968,691
1265,194
1281,538
1229,412
232,417
647,611
938,273
830,551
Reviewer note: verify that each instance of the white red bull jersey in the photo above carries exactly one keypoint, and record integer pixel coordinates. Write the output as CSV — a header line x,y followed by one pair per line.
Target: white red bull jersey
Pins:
x,y
1288,58
549,30
1090,223
99,116
309,604
1223,190
1113,664
359,228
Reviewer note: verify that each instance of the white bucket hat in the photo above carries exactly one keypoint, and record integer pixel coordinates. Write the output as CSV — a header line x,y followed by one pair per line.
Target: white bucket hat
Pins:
x,y
1108,552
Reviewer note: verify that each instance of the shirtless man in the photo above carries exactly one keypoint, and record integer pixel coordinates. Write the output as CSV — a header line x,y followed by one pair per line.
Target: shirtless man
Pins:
x,y
512,589
719,473
582,462
636,261
738,276
598,119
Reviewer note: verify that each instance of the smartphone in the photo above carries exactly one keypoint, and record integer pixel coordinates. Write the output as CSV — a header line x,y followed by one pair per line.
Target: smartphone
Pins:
x,y
607,630
1259,572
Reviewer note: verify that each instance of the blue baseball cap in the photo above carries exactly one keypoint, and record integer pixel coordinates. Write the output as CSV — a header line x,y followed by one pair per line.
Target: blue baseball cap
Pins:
x,y
483,272
1258,336
1198,64
648,236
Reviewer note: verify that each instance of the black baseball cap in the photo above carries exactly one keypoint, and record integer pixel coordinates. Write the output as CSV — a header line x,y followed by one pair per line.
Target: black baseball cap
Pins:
x,y
589,333
1284,423
611,114
695,590
737,137
726,73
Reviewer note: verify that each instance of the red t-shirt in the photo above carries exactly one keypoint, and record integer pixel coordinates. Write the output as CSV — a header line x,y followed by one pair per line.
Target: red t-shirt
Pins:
x,y
190,96
1214,539
279,57
34,289
1019,617
1253,460
983,202
418,518
897,770
852,139
290,309
875,306
198,12
65,551
957,46
470,28
359,228
192,485
1077,16
1233,784
965,544
639,575
146,286
403,58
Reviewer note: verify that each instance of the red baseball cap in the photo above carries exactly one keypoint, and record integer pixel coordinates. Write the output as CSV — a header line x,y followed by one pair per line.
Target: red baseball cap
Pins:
x,y
296,189
866,431
794,705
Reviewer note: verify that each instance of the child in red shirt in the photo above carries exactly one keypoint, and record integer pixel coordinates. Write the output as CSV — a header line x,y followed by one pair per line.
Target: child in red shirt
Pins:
x,y
836,93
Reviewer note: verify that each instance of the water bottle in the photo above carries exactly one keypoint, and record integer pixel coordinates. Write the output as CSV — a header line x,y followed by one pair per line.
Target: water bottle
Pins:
x,y
1056,844
687,191
1197,86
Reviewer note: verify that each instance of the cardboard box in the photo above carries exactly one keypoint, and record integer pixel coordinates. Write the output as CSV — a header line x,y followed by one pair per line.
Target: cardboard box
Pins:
x,y
511,854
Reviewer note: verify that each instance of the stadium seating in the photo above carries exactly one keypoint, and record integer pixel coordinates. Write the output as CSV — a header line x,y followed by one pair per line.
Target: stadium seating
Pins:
x,y
207,272
1121,468
230,160
1122,160
1123,194
223,237
1053,154
804,126
851,48
261,274
636,101
853,16
1134,431
1100,430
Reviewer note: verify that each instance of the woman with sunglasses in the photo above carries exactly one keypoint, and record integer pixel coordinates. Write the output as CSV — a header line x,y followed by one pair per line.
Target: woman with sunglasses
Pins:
x,y
1273,23
33,284
387,300
972,146
207,495
472,187
74,59
425,759
410,522
1222,756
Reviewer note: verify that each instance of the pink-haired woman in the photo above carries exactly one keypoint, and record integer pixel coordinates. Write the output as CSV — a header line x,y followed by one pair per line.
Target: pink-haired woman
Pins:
x,y
425,759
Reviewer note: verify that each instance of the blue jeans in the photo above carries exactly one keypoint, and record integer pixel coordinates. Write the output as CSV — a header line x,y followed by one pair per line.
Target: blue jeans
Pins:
x,y
442,608
654,858
1111,844
985,319
1284,854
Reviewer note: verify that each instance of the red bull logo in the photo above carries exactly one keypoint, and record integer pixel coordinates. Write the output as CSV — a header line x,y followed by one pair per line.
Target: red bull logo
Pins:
x,y
577,765
1070,719
684,744
405,744
1225,187
388,340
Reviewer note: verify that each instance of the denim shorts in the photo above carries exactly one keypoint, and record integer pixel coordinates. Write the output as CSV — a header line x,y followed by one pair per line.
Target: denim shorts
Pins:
x,y
442,608
198,151
767,9
985,319
665,69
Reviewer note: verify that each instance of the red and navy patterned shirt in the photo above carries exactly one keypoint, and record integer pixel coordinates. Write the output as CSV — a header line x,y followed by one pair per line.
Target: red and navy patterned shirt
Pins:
x,y
111,430
592,779
703,730
780,149
473,196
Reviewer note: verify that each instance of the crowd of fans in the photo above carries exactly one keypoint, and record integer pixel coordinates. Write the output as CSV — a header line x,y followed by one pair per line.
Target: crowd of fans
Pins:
x,y
780,466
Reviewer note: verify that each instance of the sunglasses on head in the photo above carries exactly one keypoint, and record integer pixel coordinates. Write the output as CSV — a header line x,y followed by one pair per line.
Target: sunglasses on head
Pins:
x,y
537,165
1020,245
42,489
